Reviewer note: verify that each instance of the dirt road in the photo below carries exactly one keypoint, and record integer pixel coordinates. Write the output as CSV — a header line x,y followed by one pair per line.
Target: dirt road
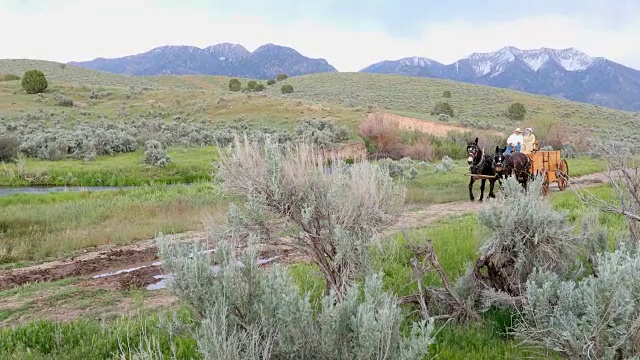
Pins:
x,y
118,268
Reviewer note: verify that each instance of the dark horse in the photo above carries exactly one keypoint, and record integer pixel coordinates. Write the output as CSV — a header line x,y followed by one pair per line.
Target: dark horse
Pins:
x,y
480,164
518,165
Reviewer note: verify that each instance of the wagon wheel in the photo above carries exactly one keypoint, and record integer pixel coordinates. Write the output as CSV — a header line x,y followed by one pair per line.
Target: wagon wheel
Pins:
x,y
563,175
545,181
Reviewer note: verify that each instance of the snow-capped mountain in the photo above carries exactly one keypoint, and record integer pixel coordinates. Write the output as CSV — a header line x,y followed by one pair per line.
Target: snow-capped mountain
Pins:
x,y
224,59
567,73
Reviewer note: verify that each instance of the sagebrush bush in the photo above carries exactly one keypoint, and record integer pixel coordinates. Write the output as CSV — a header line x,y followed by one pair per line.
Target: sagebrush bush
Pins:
x,y
235,85
34,82
9,147
245,312
287,89
597,317
337,209
526,233
321,132
271,82
155,154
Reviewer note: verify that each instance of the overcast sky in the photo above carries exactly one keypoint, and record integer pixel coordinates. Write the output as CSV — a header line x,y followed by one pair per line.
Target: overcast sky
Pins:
x,y
350,34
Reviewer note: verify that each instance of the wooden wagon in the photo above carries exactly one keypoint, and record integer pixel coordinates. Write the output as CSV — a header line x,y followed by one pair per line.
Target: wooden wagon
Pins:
x,y
551,166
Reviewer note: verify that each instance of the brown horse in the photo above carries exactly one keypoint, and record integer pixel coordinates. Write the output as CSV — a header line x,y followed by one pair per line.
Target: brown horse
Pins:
x,y
519,165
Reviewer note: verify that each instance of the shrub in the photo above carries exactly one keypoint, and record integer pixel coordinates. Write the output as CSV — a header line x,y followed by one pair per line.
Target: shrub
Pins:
x,y
34,82
155,154
251,85
281,77
260,87
9,77
9,147
287,89
443,107
446,94
271,82
597,317
516,111
245,312
235,85
62,100
321,132
444,166
384,139
338,209
526,234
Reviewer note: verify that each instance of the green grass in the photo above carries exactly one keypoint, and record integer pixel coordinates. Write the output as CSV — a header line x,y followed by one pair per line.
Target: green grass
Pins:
x,y
39,227
188,165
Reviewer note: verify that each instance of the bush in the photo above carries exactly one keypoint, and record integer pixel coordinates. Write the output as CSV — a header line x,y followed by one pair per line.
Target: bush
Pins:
x,y
62,100
34,82
338,209
9,77
595,318
287,89
235,85
526,234
281,77
443,107
516,111
271,82
9,147
155,154
384,139
321,132
260,87
446,94
251,85
245,312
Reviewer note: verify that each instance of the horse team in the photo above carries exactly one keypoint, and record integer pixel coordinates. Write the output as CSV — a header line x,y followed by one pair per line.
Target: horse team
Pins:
x,y
494,167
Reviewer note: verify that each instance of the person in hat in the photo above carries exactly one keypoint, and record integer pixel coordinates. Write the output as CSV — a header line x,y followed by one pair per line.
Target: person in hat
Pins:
x,y
529,141
516,140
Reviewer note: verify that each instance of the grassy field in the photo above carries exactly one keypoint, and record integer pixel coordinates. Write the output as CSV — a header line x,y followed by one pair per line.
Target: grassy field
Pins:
x,y
38,308
188,165
40,227
35,228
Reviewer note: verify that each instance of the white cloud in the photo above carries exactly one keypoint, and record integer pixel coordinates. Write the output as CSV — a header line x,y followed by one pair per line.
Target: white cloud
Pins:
x,y
82,30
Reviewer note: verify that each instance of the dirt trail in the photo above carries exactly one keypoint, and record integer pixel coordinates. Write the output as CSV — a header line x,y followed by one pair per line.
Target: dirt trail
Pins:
x,y
142,256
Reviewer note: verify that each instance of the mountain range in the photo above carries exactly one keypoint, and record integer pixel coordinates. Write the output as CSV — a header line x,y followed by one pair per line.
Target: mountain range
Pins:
x,y
565,73
225,59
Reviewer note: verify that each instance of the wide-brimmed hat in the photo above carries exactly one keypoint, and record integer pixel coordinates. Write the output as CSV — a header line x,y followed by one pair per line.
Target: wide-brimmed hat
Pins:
x,y
518,130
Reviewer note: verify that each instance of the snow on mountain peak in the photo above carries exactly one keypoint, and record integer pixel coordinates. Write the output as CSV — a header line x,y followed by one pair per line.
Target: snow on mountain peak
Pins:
x,y
569,59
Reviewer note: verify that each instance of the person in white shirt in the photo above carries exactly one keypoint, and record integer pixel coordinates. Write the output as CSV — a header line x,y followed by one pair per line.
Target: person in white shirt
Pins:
x,y
515,140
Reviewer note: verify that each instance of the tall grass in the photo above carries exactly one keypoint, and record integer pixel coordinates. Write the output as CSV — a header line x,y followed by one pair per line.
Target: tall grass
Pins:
x,y
36,227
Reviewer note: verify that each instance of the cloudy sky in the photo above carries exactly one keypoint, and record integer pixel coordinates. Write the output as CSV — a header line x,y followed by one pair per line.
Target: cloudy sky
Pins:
x,y
350,34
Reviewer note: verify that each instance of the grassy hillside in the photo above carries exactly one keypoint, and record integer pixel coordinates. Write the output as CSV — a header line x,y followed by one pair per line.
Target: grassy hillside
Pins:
x,y
342,96
416,97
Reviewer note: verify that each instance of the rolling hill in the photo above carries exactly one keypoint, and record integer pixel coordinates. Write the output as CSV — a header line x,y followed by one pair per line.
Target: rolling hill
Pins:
x,y
345,97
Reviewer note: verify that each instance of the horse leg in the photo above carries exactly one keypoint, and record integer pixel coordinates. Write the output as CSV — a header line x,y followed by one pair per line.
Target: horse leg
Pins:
x,y
482,182
471,181
492,183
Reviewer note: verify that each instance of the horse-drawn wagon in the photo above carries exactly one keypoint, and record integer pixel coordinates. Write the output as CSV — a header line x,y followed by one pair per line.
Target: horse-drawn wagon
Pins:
x,y
524,167
551,166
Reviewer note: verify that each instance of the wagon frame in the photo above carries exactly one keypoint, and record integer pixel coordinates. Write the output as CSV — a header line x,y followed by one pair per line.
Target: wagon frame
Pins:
x,y
551,166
